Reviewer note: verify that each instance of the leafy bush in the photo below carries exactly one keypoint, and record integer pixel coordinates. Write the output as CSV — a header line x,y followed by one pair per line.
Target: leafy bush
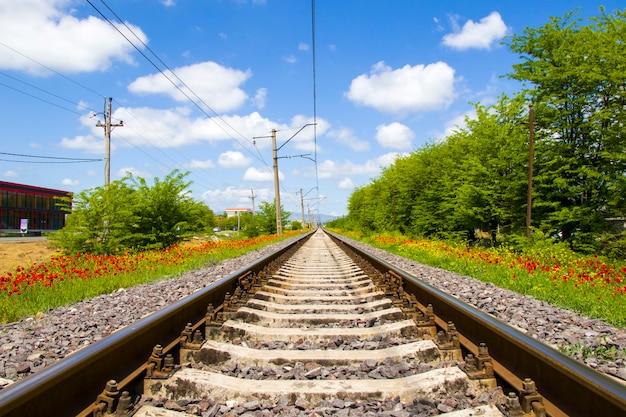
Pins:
x,y
128,215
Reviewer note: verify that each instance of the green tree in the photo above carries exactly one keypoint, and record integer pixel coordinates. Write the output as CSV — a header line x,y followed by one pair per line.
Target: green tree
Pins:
x,y
296,225
475,179
100,220
266,218
574,74
491,170
130,215
168,213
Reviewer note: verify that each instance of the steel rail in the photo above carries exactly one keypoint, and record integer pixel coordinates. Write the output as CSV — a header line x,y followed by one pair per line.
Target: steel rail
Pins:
x,y
569,387
69,386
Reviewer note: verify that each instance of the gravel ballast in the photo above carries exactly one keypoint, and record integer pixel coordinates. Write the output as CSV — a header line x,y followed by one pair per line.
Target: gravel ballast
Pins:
x,y
32,344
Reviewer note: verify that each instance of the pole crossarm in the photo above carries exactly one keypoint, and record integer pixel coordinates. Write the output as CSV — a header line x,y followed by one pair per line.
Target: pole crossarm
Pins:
x,y
297,156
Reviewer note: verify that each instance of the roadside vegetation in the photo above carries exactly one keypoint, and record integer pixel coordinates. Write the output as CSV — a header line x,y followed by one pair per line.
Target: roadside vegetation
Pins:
x,y
474,203
66,279
590,285
128,233
477,178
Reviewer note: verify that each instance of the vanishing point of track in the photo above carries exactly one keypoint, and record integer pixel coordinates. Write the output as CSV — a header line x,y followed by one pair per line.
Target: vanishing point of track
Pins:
x,y
317,324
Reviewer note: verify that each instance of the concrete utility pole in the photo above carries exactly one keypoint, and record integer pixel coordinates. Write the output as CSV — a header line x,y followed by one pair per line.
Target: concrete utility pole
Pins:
x,y
302,207
275,149
308,210
252,197
279,223
107,140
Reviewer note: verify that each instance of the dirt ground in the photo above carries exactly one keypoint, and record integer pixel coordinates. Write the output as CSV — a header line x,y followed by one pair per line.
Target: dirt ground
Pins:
x,y
15,253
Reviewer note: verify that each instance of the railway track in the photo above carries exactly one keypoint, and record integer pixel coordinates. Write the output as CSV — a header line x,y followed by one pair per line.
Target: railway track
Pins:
x,y
322,328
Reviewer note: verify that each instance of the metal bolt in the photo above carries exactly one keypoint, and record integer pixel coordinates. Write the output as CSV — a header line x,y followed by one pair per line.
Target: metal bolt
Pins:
x,y
123,405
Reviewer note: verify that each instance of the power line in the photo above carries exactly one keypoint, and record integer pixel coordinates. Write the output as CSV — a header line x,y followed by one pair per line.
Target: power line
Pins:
x,y
40,99
51,70
174,74
42,90
50,162
58,159
77,113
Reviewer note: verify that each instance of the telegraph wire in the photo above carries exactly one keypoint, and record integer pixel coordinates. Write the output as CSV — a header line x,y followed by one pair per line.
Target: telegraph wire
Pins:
x,y
171,71
40,99
49,162
51,70
78,160
170,79
58,159
43,91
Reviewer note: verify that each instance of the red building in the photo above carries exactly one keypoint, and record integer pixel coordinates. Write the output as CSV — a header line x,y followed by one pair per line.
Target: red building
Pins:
x,y
37,205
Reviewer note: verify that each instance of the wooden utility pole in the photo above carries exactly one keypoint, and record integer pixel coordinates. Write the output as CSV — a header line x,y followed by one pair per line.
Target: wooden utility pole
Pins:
x,y
107,140
529,201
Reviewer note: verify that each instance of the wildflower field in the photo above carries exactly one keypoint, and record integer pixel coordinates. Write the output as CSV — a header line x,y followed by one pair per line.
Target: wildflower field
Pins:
x,y
589,285
66,279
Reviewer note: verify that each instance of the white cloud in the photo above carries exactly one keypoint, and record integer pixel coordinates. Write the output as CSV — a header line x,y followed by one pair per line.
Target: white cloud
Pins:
x,y
346,136
70,182
136,172
303,46
10,174
453,125
479,35
305,139
394,135
200,164
404,90
175,127
168,3
218,200
290,59
260,97
331,169
346,184
233,159
218,86
457,123
46,32
261,174
89,143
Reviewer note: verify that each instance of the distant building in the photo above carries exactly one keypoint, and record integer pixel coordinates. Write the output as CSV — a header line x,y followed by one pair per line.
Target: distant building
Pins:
x,y
30,209
233,212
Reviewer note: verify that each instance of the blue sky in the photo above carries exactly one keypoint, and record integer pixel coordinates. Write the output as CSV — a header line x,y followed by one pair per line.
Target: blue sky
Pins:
x,y
390,77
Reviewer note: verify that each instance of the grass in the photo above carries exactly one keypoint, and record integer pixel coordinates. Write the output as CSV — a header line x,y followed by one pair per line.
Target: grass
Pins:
x,y
589,285
67,279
